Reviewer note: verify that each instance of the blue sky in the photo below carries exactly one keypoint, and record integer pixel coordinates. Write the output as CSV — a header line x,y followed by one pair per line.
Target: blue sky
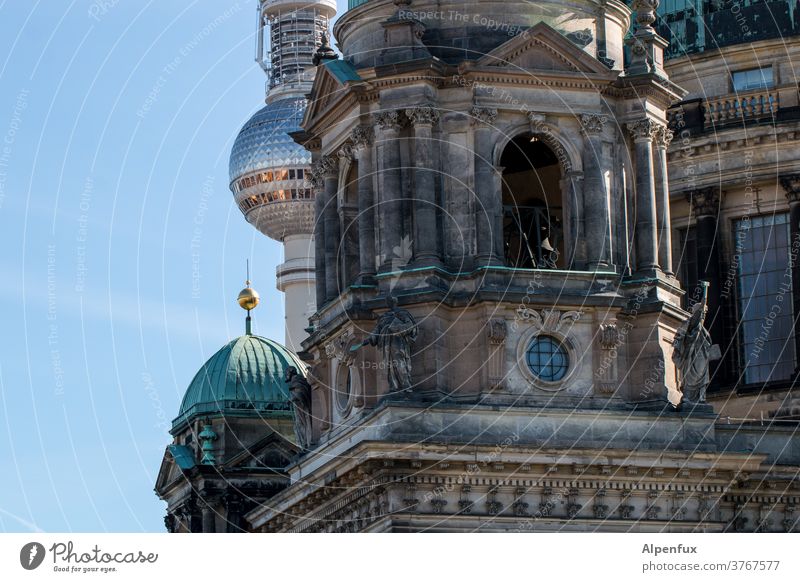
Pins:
x,y
122,250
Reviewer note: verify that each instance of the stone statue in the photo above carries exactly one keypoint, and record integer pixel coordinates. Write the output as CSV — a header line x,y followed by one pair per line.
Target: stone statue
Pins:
x,y
693,352
394,333
300,397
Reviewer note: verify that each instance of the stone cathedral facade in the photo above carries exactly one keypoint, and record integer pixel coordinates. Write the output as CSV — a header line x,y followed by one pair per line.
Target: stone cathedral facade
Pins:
x,y
496,295
508,186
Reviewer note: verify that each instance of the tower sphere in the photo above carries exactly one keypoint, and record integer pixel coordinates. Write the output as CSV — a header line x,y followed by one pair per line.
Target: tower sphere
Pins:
x,y
269,171
248,298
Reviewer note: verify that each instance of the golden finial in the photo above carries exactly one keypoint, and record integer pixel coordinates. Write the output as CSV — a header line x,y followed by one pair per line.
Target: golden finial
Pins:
x,y
248,299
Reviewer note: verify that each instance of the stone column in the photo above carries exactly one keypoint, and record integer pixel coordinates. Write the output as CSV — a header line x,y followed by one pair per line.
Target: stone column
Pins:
x,y
330,168
391,191
318,185
209,514
363,139
596,202
426,233
643,133
348,219
791,185
232,501
496,333
662,140
489,207
574,240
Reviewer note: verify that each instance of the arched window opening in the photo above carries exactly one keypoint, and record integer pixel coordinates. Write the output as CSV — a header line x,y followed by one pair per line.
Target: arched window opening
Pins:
x,y
532,205
349,213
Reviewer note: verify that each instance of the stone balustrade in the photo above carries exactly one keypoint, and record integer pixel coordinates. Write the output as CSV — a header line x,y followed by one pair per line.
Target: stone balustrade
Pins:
x,y
737,106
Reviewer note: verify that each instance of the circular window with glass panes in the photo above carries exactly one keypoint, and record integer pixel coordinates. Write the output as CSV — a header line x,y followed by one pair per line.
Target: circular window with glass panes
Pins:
x,y
547,359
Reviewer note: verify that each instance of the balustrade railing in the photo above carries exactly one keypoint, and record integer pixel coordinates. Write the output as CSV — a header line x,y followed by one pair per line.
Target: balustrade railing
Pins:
x,y
741,106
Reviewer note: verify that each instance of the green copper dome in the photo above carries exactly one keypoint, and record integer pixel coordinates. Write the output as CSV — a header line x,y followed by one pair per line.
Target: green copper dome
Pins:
x,y
245,377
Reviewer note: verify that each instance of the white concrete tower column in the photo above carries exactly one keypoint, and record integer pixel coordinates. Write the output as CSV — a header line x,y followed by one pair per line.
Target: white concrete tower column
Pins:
x,y
271,174
296,282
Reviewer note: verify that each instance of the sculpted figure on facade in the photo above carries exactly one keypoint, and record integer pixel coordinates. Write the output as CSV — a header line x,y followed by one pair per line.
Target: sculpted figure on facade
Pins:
x,y
300,398
693,353
394,334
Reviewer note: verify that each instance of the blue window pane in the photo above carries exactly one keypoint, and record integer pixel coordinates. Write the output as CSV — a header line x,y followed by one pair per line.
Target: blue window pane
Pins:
x,y
753,79
547,359
762,272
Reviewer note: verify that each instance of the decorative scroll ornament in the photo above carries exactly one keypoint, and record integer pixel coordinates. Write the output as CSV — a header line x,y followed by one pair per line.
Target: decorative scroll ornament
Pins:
x,y
549,320
346,153
338,346
610,336
496,331
593,123
536,119
664,136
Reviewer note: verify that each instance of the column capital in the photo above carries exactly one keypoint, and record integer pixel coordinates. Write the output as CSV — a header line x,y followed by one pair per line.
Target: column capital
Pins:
x,y
791,185
663,136
423,115
363,136
643,129
704,201
316,176
483,115
387,120
593,123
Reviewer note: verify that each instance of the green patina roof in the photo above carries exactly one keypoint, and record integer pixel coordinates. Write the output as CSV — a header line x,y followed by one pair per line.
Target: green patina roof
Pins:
x,y
183,456
342,70
245,377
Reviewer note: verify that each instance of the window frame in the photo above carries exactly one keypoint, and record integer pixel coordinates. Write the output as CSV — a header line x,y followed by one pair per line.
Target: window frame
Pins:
x,y
762,87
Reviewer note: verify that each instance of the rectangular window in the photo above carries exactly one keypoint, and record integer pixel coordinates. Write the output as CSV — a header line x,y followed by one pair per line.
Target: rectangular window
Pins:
x,y
753,79
765,298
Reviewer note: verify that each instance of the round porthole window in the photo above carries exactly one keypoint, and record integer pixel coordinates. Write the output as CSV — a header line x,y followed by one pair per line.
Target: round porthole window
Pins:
x,y
547,359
